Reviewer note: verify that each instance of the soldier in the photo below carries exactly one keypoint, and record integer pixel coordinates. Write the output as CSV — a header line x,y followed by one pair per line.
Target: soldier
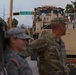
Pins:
x,y
16,42
3,28
51,50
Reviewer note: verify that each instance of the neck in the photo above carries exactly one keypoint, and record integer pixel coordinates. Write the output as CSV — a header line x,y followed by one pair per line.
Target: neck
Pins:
x,y
14,49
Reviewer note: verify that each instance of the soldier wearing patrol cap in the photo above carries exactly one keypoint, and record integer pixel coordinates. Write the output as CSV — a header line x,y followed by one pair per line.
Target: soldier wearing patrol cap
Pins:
x,y
16,42
51,50
58,26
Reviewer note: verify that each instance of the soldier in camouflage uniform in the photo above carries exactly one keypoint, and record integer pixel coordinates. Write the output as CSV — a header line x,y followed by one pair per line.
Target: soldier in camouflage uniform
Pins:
x,y
16,42
51,50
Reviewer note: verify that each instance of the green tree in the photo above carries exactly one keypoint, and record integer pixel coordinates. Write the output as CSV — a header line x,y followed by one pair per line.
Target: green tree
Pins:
x,y
23,26
69,8
74,4
14,22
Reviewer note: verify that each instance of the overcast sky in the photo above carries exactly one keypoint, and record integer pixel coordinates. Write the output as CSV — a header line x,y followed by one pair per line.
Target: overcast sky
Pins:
x,y
28,5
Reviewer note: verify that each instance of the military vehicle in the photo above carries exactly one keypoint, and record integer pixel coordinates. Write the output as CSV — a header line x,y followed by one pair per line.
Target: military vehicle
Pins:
x,y
70,45
41,21
43,16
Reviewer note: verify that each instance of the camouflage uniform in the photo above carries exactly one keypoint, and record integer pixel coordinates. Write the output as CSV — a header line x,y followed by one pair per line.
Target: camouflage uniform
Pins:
x,y
15,64
51,54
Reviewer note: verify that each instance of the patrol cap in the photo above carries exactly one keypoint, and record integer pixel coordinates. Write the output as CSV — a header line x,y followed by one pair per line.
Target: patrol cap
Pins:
x,y
57,21
17,32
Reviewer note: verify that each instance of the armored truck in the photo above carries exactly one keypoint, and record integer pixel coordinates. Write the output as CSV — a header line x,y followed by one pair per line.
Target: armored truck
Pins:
x,y
70,45
43,16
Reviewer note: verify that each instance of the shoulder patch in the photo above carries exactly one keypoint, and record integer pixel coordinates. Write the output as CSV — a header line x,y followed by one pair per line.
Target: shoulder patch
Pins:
x,y
16,62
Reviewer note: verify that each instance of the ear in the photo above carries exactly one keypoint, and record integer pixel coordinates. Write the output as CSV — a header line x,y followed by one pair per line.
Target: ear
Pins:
x,y
13,39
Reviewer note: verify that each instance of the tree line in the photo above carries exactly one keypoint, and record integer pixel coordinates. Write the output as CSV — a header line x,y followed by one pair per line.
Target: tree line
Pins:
x,y
71,8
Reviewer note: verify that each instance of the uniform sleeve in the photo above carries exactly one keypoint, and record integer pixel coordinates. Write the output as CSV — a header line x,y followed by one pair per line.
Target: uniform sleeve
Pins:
x,y
66,69
12,68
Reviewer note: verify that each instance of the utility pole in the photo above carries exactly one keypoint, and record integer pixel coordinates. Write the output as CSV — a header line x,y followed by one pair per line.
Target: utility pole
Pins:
x,y
10,17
